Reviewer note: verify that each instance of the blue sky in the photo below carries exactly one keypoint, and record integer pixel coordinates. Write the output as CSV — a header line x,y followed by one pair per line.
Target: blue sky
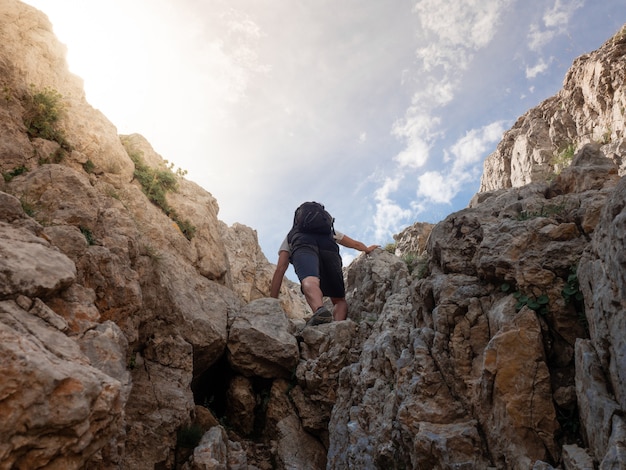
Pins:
x,y
382,110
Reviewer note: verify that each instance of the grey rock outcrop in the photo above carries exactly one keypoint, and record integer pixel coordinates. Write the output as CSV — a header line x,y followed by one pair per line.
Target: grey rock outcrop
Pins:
x,y
477,363
588,109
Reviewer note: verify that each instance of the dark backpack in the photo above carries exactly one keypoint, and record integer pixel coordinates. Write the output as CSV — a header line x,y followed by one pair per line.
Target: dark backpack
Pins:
x,y
311,217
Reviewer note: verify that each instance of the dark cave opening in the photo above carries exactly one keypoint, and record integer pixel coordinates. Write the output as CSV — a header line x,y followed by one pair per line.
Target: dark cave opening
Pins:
x,y
210,389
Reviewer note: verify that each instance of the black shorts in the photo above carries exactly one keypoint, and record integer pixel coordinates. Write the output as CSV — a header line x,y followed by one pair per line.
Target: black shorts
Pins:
x,y
318,255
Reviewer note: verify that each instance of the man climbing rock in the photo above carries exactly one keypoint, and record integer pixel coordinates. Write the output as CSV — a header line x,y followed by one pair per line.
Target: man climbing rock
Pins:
x,y
311,246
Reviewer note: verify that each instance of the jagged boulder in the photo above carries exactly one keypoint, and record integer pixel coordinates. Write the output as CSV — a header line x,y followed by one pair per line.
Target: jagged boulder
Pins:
x,y
295,447
260,341
215,451
30,266
413,239
370,281
49,384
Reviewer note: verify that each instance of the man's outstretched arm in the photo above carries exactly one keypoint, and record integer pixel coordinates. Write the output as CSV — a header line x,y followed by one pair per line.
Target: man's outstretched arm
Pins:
x,y
279,273
357,245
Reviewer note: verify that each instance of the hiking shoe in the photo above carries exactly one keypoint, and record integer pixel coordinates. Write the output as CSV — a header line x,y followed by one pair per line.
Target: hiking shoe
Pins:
x,y
322,315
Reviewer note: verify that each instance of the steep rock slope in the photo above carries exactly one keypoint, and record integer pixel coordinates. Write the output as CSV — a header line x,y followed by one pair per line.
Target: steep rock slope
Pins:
x,y
115,295
477,364
591,107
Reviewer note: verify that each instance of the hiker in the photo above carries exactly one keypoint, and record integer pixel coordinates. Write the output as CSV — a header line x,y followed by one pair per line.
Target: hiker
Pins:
x,y
311,246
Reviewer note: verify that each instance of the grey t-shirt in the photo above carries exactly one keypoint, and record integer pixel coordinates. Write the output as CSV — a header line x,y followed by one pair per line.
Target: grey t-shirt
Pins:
x,y
284,246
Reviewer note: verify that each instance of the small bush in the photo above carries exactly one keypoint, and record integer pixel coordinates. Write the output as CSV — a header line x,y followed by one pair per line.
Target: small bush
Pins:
x,y
91,240
42,112
538,304
28,207
572,295
417,264
155,184
9,175
545,211
391,248
564,157
7,93
152,253
186,227
566,154
89,166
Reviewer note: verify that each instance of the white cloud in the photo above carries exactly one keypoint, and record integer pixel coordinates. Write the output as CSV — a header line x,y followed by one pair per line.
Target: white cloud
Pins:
x,y
433,56
414,155
454,30
433,186
471,148
419,128
538,38
555,22
466,154
560,14
416,130
539,68
470,24
389,215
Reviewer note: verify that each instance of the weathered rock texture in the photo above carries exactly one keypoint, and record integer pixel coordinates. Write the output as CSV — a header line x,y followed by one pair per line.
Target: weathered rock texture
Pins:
x,y
108,312
489,360
136,332
591,107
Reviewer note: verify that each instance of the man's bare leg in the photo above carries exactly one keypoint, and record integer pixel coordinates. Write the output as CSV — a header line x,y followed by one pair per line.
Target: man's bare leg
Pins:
x,y
340,312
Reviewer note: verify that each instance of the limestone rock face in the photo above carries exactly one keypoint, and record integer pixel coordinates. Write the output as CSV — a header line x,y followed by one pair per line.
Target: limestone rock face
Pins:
x,y
601,364
109,308
475,364
50,381
253,273
413,239
34,58
260,342
589,108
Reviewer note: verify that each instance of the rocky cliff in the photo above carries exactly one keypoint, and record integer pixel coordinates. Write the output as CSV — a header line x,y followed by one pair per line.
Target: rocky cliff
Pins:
x,y
590,108
136,332
117,280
